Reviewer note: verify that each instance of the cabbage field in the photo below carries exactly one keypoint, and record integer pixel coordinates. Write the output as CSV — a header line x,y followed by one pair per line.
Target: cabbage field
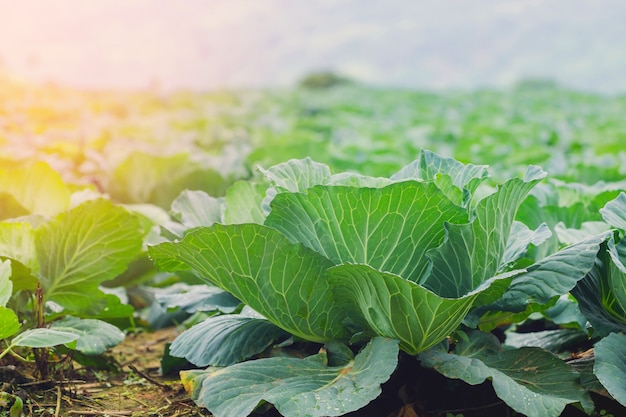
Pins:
x,y
314,251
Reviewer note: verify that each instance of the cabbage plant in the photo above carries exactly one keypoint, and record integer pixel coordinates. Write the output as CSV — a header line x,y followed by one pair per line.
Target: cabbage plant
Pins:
x,y
55,251
368,266
601,295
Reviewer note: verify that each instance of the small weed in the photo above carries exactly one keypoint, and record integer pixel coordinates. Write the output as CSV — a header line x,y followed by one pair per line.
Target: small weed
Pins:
x,y
133,379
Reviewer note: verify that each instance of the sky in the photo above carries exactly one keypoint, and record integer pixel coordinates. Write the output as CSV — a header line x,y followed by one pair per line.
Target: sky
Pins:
x,y
208,44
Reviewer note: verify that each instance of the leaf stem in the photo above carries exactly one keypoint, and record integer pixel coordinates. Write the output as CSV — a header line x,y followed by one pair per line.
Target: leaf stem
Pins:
x,y
4,352
41,354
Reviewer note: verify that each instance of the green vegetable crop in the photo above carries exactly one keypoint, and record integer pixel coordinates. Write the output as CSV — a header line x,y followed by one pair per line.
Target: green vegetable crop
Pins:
x,y
349,259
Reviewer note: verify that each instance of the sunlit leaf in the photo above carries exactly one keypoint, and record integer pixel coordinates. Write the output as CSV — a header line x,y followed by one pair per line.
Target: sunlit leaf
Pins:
x,y
6,286
10,208
78,250
145,178
262,268
9,324
17,242
42,337
37,188
389,228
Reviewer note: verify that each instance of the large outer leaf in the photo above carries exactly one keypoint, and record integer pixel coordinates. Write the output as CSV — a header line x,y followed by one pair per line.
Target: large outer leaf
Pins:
x,y
601,295
192,298
37,188
94,336
296,387
530,380
566,312
79,249
388,228
552,340
226,340
474,252
390,306
42,337
614,212
17,242
9,324
6,286
616,279
281,280
520,238
552,276
610,365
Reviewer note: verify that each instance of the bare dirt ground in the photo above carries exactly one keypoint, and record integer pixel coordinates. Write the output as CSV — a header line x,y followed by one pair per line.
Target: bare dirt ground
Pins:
x,y
135,388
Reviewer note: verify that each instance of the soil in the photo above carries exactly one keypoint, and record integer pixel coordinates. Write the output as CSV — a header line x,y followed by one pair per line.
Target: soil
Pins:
x,y
130,384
